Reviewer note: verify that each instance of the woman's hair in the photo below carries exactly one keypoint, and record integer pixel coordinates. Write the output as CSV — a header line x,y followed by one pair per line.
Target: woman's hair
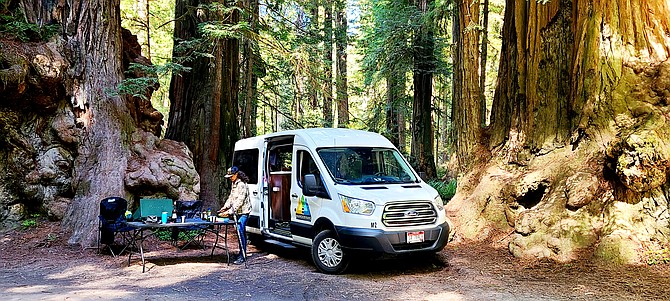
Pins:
x,y
242,176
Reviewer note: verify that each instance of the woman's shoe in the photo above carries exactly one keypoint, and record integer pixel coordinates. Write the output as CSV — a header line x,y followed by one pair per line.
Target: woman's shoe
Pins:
x,y
239,260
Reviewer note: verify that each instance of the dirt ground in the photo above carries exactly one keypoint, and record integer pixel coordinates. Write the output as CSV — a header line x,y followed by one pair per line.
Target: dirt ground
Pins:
x,y
37,264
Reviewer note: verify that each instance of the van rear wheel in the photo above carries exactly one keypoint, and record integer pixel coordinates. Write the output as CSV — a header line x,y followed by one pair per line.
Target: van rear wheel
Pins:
x,y
327,253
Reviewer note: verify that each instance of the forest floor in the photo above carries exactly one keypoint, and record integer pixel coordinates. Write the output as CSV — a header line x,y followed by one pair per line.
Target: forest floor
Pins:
x,y
38,264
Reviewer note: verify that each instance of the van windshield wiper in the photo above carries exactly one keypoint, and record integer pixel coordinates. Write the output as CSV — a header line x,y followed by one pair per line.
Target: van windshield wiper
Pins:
x,y
341,180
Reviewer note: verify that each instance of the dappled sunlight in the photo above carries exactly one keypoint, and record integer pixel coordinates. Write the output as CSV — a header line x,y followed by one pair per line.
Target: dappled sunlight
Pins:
x,y
76,271
53,292
420,294
29,289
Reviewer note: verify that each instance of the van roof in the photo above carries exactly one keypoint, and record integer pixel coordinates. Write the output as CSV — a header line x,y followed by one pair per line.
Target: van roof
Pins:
x,y
324,137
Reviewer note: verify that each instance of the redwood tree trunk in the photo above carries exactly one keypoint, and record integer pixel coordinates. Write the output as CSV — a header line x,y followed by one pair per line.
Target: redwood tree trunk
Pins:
x,y
249,103
84,142
101,165
482,74
466,100
203,102
341,82
581,113
328,64
395,88
424,67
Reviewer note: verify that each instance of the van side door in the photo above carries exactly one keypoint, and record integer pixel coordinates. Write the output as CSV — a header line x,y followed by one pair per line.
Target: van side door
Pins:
x,y
304,209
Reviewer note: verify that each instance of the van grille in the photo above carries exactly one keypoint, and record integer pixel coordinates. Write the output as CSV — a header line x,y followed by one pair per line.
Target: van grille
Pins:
x,y
409,214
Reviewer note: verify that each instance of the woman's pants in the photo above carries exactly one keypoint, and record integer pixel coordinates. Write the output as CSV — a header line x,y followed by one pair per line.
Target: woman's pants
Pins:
x,y
242,224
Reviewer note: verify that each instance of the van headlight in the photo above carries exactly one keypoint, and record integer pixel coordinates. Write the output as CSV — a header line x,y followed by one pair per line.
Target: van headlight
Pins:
x,y
438,203
357,206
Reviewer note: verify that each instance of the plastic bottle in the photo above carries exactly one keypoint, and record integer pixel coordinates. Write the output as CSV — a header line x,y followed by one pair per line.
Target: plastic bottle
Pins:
x,y
209,212
174,211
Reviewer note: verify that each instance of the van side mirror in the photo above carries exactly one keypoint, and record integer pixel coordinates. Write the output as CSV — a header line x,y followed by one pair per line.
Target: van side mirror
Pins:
x,y
313,188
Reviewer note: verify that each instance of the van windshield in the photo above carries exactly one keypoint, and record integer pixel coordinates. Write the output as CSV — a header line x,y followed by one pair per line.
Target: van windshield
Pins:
x,y
366,165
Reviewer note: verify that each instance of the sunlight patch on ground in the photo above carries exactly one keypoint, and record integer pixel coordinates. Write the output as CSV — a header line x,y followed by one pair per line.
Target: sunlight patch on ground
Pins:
x,y
29,289
445,296
415,294
171,274
75,272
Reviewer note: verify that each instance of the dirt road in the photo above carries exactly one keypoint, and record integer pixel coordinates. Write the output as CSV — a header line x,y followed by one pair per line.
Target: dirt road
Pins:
x,y
36,264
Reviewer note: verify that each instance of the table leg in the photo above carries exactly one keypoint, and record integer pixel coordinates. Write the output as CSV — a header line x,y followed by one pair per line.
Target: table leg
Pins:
x,y
142,251
216,241
217,232
139,243
225,241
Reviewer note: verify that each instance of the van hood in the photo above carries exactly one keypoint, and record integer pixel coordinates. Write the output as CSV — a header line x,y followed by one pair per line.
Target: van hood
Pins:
x,y
382,194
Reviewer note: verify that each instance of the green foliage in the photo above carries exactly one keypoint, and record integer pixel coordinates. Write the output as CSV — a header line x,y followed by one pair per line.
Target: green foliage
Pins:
x,y
159,24
30,222
140,87
14,23
661,256
447,190
166,235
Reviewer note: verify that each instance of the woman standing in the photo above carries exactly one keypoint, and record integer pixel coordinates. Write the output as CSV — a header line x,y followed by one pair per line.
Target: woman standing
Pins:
x,y
238,203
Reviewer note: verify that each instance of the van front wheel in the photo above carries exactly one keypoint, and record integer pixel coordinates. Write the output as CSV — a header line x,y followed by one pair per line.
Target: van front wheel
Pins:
x,y
327,253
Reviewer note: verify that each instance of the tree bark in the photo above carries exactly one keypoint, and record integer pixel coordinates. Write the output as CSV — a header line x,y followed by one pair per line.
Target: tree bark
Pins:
x,y
203,102
249,104
103,155
328,64
579,110
466,82
341,42
482,66
424,67
77,140
394,90
313,53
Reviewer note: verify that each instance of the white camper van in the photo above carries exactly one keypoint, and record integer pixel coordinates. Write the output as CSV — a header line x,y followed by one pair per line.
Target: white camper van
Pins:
x,y
338,191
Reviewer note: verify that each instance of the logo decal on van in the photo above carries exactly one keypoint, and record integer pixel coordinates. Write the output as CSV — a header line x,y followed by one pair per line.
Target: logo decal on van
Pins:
x,y
302,212
411,213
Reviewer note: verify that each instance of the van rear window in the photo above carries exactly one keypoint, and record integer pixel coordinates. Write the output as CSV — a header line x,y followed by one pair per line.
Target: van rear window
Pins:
x,y
247,161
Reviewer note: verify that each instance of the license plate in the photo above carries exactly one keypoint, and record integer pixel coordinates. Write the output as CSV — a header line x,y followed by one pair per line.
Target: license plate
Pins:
x,y
414,237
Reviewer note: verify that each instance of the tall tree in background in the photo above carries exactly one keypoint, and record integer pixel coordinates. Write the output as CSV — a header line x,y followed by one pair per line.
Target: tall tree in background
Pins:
x,y
313,53
466,102
388,58
341,43
484,54
424,67
328,64
250,70
203,102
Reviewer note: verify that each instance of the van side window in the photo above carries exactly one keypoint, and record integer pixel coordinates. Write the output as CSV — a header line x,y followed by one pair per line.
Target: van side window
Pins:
x,y
306,165
280,158
247,161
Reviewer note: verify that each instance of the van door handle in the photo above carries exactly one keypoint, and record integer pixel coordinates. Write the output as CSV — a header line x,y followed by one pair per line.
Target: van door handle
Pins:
x,y
295,195
255,193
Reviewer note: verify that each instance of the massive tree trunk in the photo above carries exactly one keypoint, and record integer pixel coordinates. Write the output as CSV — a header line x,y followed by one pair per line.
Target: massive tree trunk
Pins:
x,y
424,67
203,102
78,141
466,102
341,42
328,64
578,132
